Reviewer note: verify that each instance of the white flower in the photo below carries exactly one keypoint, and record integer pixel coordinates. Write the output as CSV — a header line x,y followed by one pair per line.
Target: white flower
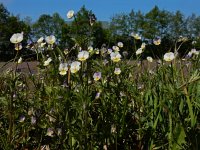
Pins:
x,y
136,36
63,67
90,49
117,71
16,38
66,51
113,129
97,76
46,63
96,51
33,120
156,41
115,56
70,14
41,45
83,55
31,112
18,47
120,44
97,95
19,60
109,51
194,42
143,45
75,66
50,39
189,54
149,59
194,51
169,56
28,46
139,51
22,118
115,48
40,40
51,119
50,132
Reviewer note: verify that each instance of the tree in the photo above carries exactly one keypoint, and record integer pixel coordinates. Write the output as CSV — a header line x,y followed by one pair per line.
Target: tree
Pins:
x,y
136,21
193,25
156,23
4,14
8,26
178,25
48,25
119,24
86,30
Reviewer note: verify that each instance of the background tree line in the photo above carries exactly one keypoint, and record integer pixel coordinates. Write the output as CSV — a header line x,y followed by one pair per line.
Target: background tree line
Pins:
x,y
87,31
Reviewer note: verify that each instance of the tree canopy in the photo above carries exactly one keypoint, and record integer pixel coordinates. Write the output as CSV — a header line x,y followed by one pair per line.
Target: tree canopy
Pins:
x,y
8,25
86,30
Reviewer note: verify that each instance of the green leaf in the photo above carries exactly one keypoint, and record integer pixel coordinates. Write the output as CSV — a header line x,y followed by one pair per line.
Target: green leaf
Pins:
x,y
3,101
73,141
179,138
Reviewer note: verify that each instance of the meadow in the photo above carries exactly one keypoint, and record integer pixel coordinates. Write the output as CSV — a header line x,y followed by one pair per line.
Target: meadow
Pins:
x,y
99,99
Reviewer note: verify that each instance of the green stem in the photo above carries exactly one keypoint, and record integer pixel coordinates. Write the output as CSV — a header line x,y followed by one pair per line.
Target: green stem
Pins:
x,y
11,122
170,131
193,121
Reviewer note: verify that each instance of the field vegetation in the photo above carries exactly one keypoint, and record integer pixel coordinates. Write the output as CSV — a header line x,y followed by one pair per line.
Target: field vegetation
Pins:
x,y
109,97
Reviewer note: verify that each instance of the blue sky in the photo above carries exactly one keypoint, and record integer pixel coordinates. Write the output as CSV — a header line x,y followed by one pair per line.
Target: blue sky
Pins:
x,y
103,9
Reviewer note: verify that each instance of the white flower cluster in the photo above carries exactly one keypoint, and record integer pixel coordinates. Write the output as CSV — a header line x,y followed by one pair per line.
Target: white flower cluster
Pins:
x,y
17,39
193,52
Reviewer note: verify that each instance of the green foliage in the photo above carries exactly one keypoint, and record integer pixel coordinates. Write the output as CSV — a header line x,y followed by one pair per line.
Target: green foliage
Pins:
x,y
147,106
64,105
157,24
9,25
48,25
87,30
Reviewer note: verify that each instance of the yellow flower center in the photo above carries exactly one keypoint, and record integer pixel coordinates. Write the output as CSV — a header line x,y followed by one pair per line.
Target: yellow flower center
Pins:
x,y
63,72
116,59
